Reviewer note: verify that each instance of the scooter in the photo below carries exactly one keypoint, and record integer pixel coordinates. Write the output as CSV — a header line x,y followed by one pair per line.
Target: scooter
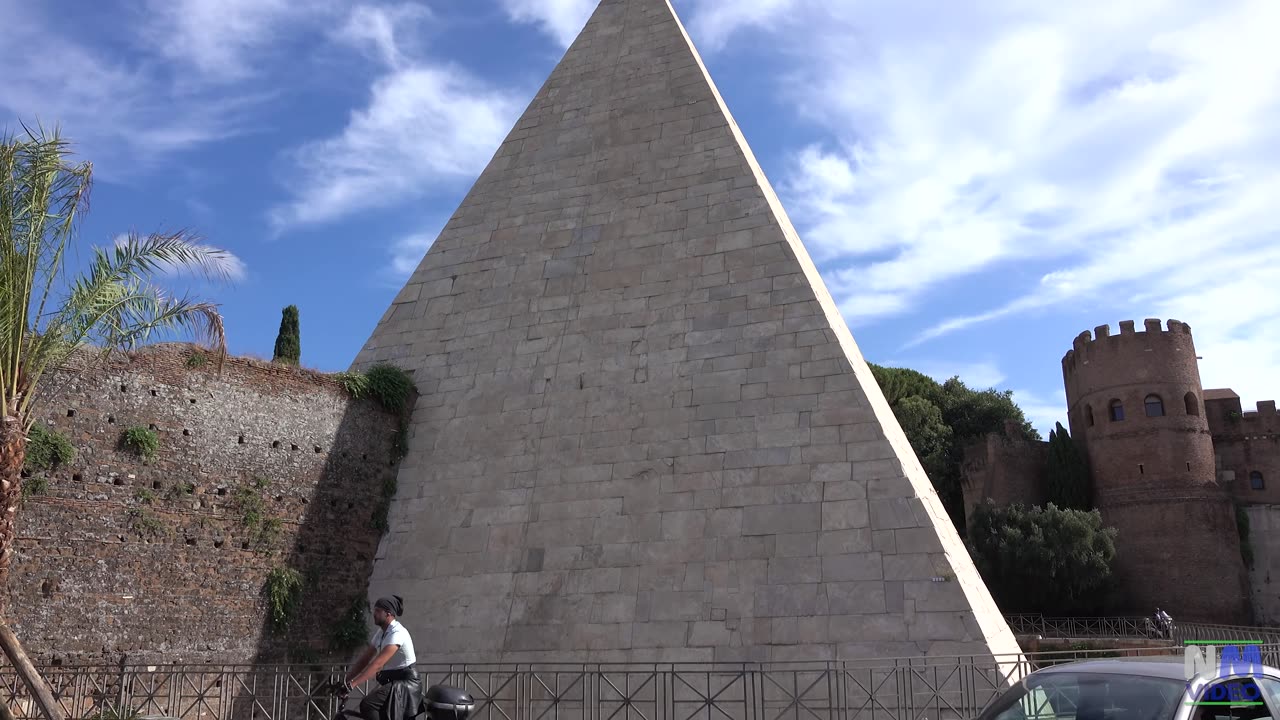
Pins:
x,y
439,702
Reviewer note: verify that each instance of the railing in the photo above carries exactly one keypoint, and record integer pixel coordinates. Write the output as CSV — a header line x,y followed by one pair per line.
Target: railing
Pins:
x,y
918,688
1135,627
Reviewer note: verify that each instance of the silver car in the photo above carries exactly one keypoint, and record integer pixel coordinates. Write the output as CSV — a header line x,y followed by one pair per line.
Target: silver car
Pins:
x,y
1145,688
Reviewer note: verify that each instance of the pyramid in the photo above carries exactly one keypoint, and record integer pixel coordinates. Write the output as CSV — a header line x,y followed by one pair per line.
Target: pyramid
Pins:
x,y
645,432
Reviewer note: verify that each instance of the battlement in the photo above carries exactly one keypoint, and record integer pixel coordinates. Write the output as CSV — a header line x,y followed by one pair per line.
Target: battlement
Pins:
x,y
1101,335
1266,408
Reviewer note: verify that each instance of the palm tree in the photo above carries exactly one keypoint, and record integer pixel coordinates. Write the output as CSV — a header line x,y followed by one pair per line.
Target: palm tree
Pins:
x,y
50,313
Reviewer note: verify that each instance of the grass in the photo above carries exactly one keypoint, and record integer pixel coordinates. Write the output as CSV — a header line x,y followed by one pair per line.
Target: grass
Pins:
x,y
47,449
284,594
143,441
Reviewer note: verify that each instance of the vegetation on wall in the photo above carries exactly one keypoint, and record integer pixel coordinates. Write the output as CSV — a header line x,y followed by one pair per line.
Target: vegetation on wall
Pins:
x,y
46,450
284,594
142,441
393,388
1047,559
939,419
352,629
1242,527
288,349
260,528
1069,482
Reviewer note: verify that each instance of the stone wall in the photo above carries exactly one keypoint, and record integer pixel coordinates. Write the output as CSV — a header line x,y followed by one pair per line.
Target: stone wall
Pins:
x,y
1005,470
258,467
1264,576
1246,442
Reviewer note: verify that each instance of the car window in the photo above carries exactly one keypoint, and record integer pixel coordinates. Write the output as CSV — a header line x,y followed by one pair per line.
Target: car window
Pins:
x,y
1089,696
1231,699
1271,687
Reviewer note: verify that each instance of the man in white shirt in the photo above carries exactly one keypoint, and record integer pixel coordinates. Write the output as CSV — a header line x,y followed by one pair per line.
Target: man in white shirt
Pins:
x,y
389,659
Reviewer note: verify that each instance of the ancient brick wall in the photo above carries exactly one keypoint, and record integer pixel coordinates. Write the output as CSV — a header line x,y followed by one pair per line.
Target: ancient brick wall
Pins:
x,y
1245,443
1264,576
1005,470
1154,469
258,467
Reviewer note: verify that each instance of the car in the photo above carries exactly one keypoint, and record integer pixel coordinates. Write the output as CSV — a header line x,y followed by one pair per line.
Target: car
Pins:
x,y
1140,688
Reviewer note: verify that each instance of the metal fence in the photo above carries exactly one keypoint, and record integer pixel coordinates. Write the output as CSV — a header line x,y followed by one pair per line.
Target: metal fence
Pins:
x,y
1135,627
918,688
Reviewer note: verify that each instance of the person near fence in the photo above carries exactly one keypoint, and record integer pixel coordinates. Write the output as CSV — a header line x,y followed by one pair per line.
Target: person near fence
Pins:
x,y
389,659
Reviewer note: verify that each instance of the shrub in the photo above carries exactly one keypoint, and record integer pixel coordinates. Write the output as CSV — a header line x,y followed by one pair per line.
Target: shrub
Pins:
x,y
47,449
33,486
143,441
1045,560
351,630
284,594
196,360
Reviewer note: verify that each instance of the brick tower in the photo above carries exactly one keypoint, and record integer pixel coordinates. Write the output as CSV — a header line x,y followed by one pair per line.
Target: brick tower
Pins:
x,y
645,431
1135,403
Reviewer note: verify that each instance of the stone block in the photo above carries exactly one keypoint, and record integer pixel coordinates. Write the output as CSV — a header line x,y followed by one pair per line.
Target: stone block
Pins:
x,y
780,519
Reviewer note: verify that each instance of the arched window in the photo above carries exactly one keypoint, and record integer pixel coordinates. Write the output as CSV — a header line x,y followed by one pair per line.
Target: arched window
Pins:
x,y
1193,407
1255,480
1117,410
1155,406
1088,415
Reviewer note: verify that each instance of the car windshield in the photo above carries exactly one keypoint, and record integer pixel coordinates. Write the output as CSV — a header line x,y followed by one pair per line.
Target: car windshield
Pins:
x,y
1089,696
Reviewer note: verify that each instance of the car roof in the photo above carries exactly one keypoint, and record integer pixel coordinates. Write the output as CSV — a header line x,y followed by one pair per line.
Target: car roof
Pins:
x,y
1170,667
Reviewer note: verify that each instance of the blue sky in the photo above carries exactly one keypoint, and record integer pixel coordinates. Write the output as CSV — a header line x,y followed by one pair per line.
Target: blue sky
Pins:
x,y
978,182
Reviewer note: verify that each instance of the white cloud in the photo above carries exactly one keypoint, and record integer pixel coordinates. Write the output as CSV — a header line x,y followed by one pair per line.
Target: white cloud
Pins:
x,y
1043,411
978,375
374,30
963,139
425,125
562,19
220,38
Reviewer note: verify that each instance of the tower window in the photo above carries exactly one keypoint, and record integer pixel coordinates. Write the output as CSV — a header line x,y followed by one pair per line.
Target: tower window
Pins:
x,y
1088,415
1193,407
1117,410
1155,406
1255,480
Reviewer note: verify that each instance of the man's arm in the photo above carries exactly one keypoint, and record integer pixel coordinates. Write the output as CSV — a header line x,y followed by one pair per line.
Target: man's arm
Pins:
x,y
359,664
375,665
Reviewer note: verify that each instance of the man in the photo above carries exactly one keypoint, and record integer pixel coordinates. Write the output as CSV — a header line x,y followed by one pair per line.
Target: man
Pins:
x,y
389,659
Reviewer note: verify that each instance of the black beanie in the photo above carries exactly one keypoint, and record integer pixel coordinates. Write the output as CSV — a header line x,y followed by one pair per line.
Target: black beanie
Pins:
x,y
393,604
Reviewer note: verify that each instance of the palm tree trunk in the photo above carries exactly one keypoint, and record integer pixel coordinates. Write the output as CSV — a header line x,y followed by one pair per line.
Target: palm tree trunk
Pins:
x,y
13,450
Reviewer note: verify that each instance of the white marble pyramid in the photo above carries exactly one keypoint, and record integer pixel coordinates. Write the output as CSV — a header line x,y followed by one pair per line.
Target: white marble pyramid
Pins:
x,y
645,431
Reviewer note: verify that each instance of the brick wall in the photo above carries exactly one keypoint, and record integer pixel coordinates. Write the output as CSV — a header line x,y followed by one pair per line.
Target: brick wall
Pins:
x,y
1006,471
1244,443
1264,576
155,560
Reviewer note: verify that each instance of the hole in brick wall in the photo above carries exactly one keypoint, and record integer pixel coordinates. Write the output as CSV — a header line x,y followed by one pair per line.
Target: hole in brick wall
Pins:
x,y
71,413
351,506
46,589
279,498
153,426
193,401
1141,470
302,548
364,457
317,448
111,419
24,473
244,545
191,541
275,444
186,432
124,388
77,478
57,662
1188,467
218,543
155,394
241,439
117,481
155,484
293,446
222,491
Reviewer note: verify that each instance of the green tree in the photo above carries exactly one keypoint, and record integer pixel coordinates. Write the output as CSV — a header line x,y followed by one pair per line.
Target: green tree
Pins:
x,y
928,433
1070,484
289,339
49,312
1043,559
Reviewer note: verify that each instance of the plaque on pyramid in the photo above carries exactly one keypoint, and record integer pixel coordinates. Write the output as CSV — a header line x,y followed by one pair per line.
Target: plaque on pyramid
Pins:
x,y
644,431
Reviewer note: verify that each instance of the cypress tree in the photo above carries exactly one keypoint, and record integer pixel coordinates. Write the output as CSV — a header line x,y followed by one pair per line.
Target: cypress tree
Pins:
x,y
1070,484
288,341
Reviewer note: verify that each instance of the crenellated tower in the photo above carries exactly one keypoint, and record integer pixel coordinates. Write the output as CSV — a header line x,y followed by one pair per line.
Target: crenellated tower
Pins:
x,y
1136,406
